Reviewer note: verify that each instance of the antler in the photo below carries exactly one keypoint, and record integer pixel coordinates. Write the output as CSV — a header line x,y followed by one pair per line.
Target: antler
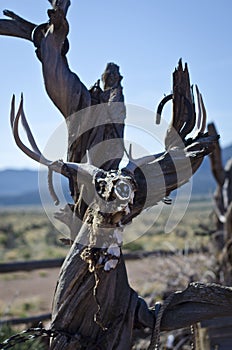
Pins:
x,y
184,118
65,168
162,173
35,153
201,120
85,172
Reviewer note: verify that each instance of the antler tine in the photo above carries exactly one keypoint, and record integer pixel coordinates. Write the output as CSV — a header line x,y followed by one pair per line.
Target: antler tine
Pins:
x,y
12,112
130,151
161,106
28,132
204,116
201,117
57,166
35,154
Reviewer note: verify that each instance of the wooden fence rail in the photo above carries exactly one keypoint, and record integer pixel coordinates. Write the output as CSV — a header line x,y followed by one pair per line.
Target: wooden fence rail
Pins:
x,y
25,320
52,263
30,265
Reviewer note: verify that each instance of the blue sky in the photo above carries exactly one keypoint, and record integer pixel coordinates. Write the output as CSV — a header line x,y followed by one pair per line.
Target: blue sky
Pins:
x,y
146,38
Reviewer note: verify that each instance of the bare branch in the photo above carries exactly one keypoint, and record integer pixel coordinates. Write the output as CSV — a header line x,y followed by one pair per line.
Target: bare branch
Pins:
x,y
17,26
183,120
197,303
216,158
61,4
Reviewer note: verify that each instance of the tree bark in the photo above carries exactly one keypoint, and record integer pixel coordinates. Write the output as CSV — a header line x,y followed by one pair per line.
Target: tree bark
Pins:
x,y
197,303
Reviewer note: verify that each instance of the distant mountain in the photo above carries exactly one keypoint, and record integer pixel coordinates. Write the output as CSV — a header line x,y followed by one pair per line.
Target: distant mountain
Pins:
x,y
27,187
16,182
18,187
27,198
22,187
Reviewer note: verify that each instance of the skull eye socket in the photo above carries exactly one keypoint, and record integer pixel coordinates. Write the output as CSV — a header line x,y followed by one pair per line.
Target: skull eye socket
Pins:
x,y
122,190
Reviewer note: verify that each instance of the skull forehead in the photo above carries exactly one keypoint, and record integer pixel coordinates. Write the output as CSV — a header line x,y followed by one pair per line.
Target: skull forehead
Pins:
x,y
113,184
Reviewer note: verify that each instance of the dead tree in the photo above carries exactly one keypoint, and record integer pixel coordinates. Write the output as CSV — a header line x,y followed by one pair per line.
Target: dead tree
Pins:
x,y
94,307
222,210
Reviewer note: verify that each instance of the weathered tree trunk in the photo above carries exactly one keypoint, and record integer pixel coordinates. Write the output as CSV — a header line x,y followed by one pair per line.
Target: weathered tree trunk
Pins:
x,y
222,210
94,307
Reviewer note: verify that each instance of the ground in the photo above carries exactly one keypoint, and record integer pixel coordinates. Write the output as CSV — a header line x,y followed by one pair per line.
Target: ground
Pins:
x,y
30,293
